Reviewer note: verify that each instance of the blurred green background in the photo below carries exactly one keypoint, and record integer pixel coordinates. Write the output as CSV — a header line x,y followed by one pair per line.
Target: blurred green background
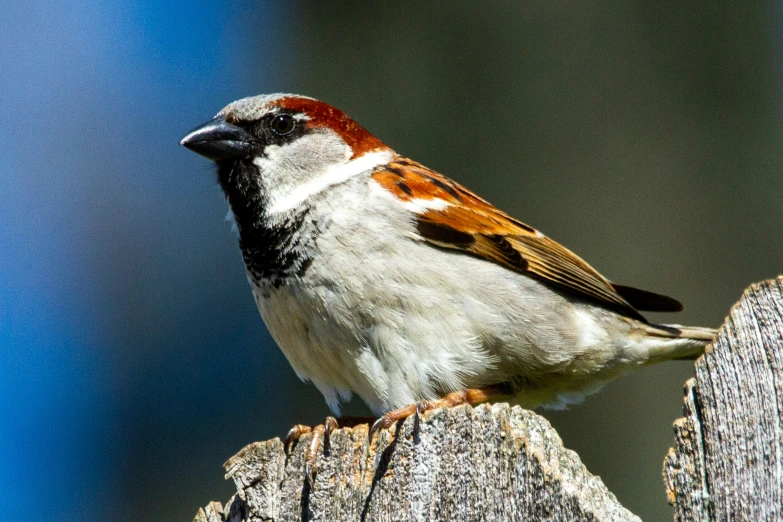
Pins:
x,y
646,136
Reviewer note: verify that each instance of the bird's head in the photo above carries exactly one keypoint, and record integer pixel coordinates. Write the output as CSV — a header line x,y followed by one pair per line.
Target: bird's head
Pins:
x,y
281,149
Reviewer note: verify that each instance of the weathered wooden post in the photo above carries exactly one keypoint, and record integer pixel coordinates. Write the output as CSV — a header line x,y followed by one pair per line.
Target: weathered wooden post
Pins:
x,y
727,461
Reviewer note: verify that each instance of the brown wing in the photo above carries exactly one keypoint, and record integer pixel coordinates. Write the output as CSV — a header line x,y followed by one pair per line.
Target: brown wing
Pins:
x,y
470,224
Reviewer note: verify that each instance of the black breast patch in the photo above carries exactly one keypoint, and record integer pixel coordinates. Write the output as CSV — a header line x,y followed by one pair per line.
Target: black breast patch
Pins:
x,y
273,252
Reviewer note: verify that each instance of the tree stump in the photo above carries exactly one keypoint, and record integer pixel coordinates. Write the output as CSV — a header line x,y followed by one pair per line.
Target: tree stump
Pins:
x,y
497,462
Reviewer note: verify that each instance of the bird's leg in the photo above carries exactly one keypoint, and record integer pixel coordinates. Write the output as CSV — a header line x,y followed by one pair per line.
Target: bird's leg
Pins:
x,y
470,396
319,433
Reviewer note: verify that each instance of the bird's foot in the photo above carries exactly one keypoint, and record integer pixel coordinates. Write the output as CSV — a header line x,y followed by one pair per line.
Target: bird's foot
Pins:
x,y
318,433
470,396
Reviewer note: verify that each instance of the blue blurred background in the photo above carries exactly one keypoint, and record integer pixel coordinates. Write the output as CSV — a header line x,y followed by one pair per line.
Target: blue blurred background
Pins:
x,y
645,136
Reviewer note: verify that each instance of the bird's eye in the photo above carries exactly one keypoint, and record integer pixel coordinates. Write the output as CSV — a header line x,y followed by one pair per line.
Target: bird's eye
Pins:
x,y
283,124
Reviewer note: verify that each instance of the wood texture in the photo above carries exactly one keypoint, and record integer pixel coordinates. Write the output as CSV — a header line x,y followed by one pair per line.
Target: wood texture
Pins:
x,y
727,461
484,464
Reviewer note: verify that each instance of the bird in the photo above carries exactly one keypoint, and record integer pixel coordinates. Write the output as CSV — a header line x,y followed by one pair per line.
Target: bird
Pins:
x,y
379,277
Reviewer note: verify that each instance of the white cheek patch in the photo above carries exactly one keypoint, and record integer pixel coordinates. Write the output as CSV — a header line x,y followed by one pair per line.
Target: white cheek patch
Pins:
x,y
274,157
332,175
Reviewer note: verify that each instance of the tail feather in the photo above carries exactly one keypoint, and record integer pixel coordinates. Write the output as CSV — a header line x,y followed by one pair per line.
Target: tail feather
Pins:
x,y
679,342
677,331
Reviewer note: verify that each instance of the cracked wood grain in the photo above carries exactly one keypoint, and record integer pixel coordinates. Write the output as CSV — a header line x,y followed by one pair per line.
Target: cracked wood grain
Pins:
x,y
490,463
727,459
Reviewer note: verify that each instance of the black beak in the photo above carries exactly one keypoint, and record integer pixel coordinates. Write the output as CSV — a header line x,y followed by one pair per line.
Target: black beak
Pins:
x,y
218,140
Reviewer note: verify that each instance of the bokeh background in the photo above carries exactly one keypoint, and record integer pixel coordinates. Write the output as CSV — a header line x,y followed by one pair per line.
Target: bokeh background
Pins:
x,y
646,136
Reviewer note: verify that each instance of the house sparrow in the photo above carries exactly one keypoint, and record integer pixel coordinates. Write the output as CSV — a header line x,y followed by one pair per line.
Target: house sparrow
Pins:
x,y
380,277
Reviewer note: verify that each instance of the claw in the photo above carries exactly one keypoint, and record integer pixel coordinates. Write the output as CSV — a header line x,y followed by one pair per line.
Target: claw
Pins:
x,y
310,474
389,418
422,406
293,436
319,433
381,423
312,452
330,424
